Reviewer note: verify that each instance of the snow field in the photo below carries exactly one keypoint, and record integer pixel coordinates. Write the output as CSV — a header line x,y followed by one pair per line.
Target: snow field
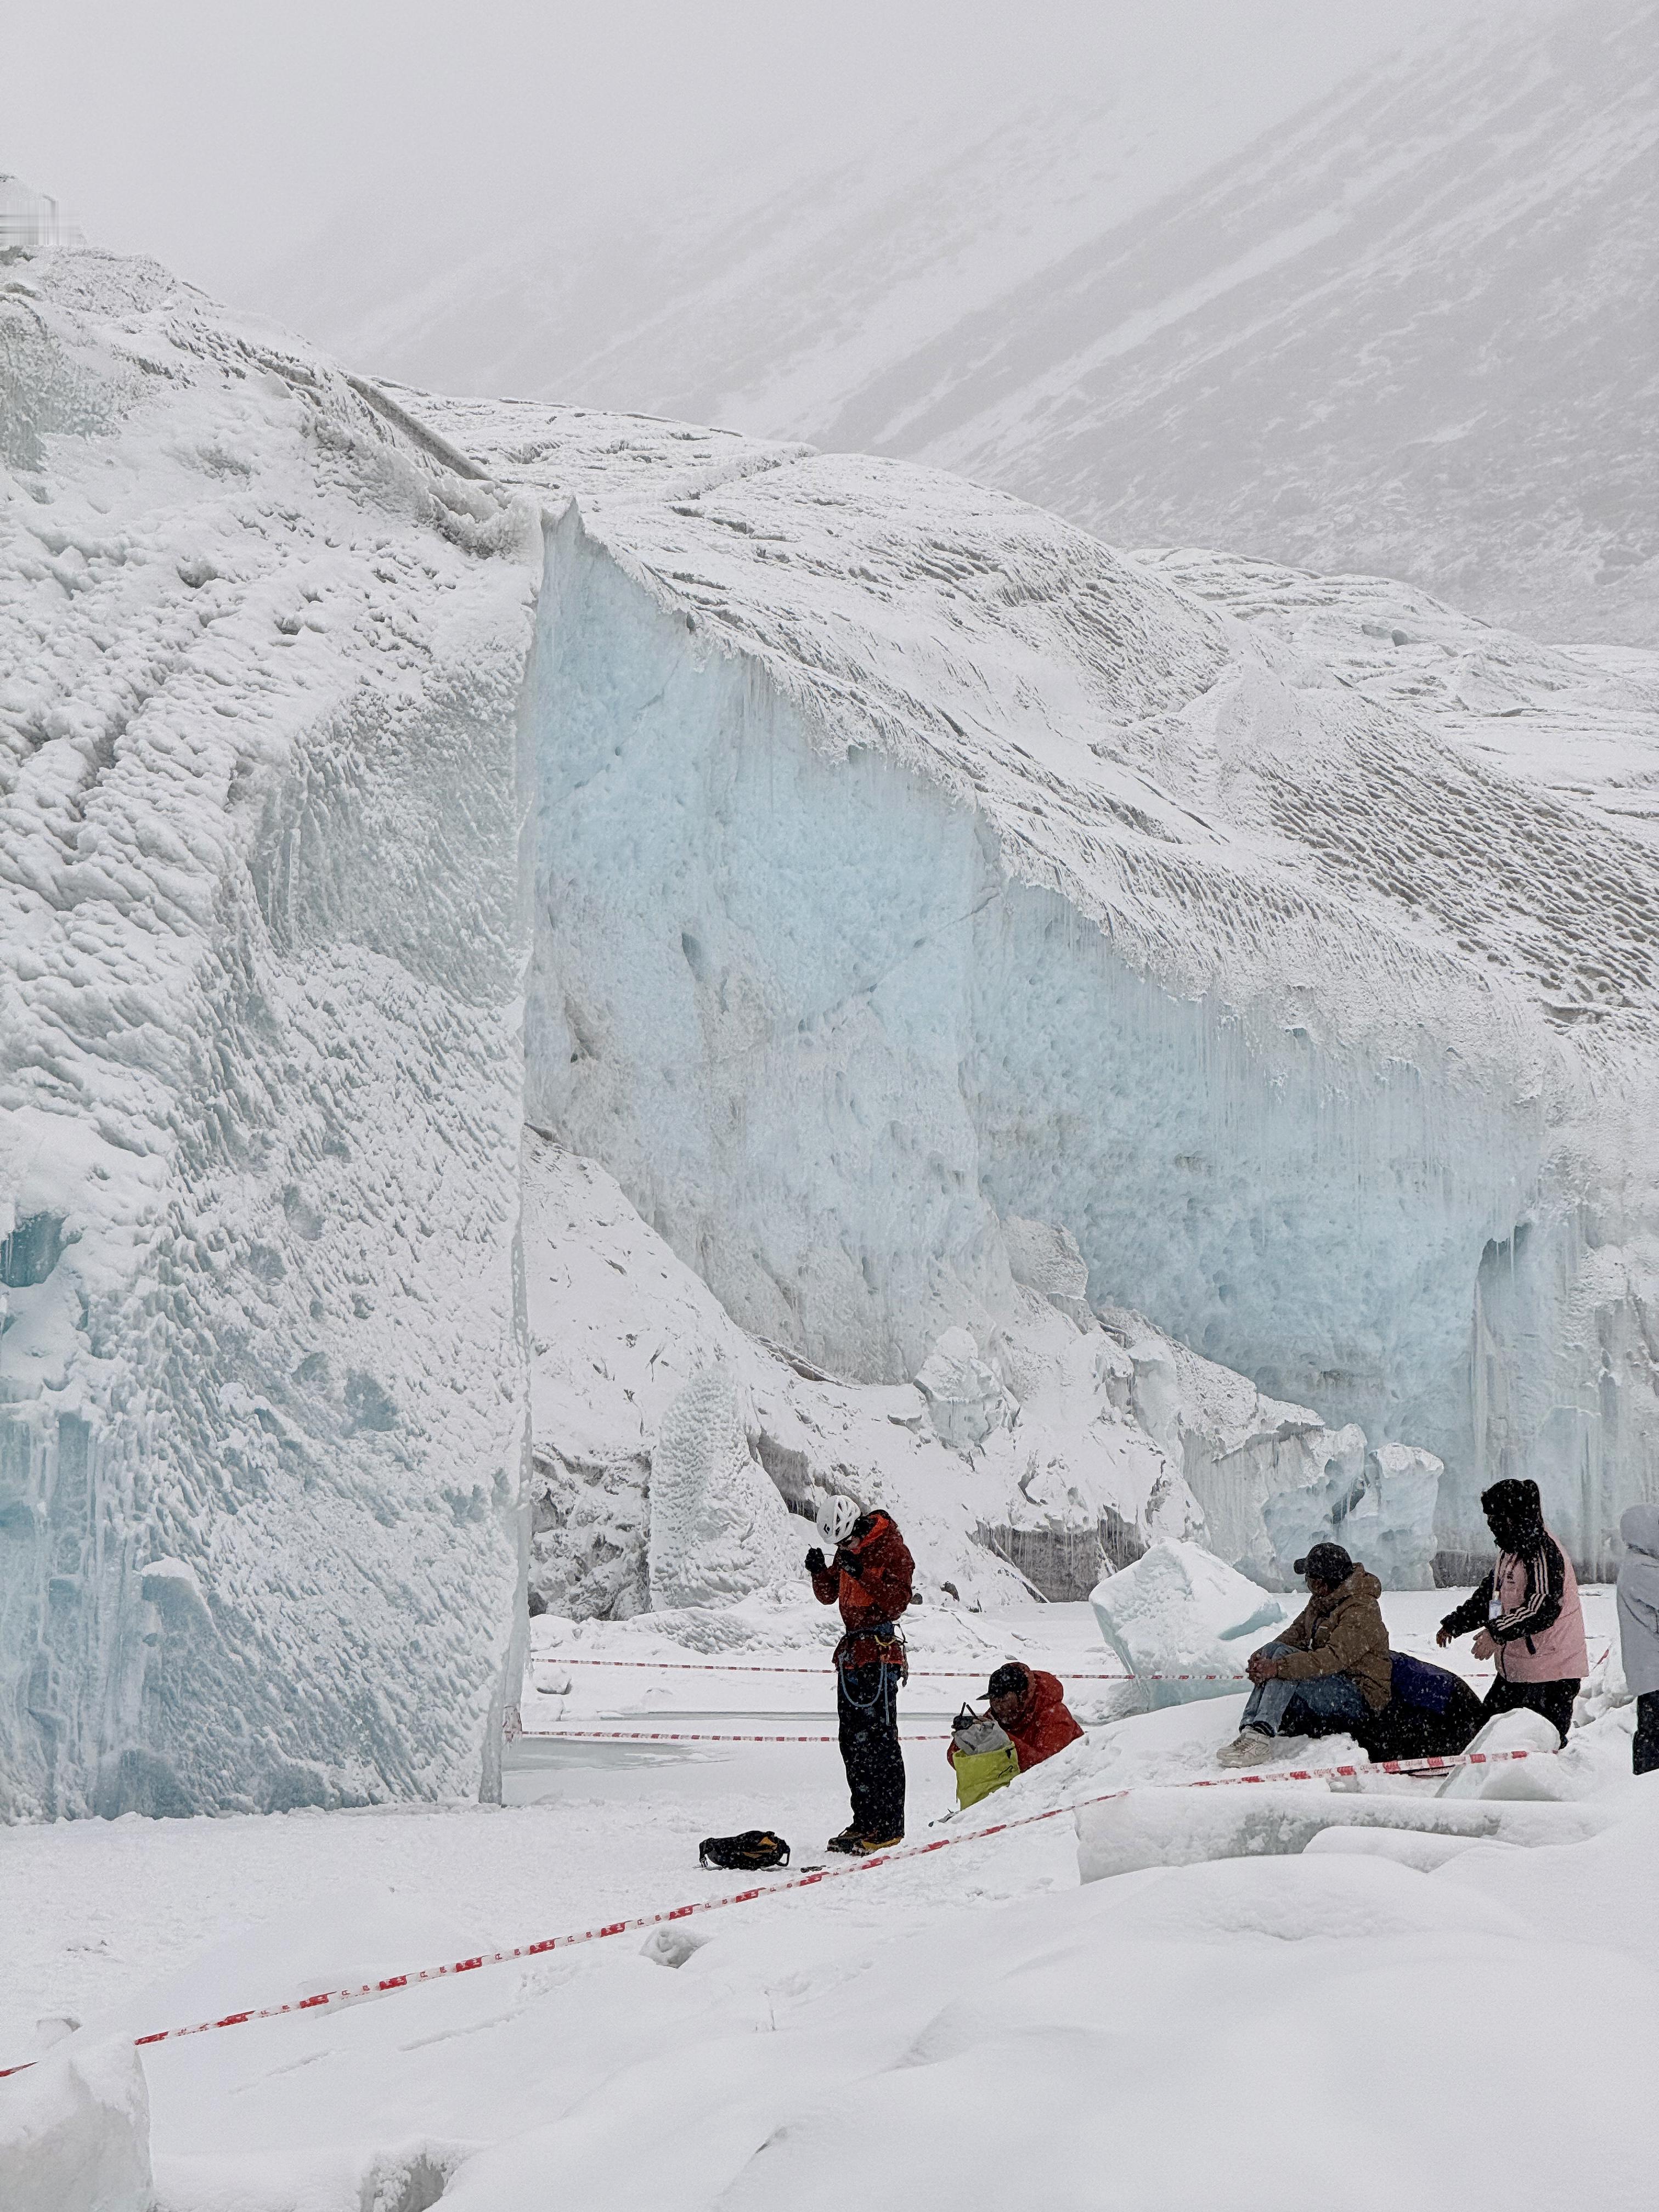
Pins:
x,y
1138,2015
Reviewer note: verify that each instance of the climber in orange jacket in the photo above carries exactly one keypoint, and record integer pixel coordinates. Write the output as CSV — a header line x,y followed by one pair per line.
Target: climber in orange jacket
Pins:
x,y
1030,1708
870,1576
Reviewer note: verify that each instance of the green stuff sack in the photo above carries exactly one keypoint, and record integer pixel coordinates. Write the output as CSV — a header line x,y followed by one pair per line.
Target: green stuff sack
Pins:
x,y
985,1759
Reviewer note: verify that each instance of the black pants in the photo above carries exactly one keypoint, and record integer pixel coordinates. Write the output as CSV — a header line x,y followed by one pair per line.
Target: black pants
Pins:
x,y
866,1707
1644,1751
1553,1699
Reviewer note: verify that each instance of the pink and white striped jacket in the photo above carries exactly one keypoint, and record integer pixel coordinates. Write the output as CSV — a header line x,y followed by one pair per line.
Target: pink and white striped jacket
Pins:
x,y
1521,1593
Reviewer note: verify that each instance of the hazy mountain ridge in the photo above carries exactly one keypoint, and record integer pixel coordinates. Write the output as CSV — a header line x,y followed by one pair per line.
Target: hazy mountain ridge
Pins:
x,y
1405,336
1404,331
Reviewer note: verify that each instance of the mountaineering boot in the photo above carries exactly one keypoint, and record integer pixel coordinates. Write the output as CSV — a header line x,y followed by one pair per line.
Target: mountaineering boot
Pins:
x,y
847,1841
864,1847
1251,1746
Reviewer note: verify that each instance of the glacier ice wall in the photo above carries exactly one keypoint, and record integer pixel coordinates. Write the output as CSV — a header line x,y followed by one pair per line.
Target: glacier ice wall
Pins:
x,y
624,1335
902,864
800,1007
261,1374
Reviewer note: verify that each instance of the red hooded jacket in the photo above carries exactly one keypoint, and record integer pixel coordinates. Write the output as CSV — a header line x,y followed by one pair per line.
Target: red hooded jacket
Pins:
x,y
871,1577
1042,1725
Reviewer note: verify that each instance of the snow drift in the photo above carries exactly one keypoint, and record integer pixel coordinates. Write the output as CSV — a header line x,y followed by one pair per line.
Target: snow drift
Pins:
x,y
75,2132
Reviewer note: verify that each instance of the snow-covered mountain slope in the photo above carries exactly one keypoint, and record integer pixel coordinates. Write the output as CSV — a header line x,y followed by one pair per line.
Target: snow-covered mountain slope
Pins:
x,y
1010,977
773,268
1407,329
1409,332
262,1434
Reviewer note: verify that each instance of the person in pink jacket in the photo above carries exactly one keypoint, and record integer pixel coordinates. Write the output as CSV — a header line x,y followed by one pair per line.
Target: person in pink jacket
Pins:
x,y
1527,1611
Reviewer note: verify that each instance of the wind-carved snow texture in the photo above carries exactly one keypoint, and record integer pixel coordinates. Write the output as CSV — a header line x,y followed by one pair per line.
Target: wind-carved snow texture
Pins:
x,y
719,1529
261,1381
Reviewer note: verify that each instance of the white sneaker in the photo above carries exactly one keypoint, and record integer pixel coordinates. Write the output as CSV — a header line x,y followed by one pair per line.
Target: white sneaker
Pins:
x,y
1251,1746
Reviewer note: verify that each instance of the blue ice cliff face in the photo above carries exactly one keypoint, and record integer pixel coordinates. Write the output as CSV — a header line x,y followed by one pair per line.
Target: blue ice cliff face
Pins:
x,y
904,863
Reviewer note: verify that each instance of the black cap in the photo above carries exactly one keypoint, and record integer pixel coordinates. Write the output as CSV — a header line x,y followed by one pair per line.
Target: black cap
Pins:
x,y
1326,1562
1009,1681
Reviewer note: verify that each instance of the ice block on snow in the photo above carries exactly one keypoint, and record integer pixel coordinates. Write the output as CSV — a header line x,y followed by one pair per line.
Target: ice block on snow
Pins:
x,y
1179,1618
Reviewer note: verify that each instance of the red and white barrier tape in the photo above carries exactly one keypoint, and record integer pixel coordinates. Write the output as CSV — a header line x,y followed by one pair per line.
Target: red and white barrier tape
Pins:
x,y
681,1736
394,1982
917,1673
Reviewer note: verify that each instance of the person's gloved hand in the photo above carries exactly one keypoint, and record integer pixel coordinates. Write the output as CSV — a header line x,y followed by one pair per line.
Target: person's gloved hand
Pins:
x,y
815,1561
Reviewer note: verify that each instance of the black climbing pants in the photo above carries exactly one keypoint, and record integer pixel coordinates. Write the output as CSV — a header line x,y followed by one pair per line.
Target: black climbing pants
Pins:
x,y
1554,1700
867,1708
1644,1751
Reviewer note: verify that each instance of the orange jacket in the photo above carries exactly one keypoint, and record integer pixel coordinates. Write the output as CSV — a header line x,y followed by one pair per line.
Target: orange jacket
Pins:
x,y
1042,1725
870,1578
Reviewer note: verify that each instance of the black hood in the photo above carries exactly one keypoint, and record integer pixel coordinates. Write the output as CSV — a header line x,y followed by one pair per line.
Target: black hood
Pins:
x,y
1514,1512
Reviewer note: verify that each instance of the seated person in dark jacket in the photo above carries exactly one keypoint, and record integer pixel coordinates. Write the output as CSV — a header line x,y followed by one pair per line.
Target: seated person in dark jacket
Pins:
x,y
1432,1714
1328,1668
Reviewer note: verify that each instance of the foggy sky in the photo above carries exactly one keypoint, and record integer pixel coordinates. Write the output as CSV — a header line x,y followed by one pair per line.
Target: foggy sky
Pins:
x,y
222,138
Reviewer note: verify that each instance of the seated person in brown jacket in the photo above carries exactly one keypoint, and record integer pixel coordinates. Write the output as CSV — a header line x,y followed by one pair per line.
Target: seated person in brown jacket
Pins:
x,y
1331,1662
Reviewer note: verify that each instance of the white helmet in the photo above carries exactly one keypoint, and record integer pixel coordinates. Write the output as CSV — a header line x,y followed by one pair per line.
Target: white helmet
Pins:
x,y
836,1517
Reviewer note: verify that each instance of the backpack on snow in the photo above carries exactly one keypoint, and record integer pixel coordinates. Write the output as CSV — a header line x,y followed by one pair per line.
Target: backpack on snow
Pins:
x,y
754,1849
985,1758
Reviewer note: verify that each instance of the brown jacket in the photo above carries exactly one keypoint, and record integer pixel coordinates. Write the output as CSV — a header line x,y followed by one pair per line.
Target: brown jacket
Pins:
x,y
1342,1634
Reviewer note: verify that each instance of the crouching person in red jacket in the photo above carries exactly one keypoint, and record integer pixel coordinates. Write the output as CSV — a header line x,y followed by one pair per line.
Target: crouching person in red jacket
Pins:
x,y
870,1576
1030,1710
1032,1724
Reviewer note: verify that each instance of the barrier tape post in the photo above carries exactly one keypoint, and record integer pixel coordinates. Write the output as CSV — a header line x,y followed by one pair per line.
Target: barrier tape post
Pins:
x,y
393,1983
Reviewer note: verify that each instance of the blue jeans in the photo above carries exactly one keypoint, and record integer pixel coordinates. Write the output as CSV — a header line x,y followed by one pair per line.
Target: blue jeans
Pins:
x,y
1333,1697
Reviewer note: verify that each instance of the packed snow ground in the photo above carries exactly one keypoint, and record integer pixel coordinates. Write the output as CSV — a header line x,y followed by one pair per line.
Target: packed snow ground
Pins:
x,y
1102,2045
